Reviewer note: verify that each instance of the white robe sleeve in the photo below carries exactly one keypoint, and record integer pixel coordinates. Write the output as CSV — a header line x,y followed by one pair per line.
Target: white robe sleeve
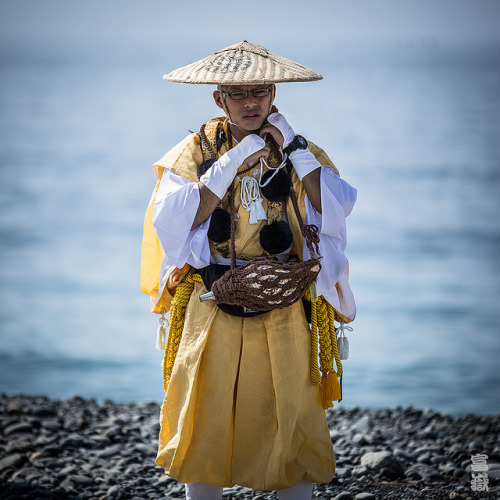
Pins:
x,y
174,211
337,201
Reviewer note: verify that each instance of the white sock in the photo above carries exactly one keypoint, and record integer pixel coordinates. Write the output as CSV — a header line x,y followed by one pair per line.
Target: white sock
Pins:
x,y
203,491
301,491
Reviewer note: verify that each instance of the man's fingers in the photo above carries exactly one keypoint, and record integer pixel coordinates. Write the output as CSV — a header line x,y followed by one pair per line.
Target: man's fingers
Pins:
x,y
274,131
264,152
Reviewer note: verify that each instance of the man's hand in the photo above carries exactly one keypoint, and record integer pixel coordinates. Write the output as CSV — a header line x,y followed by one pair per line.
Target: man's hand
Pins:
x,y
304,163
267,128
279,123
220,175
262,153
214,183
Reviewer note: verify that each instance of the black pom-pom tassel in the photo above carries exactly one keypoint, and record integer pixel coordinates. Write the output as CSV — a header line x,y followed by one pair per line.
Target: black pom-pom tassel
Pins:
x,y
205,166
219,229
276,237
279,187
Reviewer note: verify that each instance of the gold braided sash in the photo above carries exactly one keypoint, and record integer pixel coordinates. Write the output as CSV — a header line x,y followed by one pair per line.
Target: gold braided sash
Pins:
x,y
180,301
324,376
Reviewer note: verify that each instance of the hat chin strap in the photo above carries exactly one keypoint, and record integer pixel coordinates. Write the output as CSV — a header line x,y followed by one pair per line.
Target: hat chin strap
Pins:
x,y
226,110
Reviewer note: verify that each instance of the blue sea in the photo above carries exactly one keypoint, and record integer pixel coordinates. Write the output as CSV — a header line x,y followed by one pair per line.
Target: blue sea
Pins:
x,y
415,131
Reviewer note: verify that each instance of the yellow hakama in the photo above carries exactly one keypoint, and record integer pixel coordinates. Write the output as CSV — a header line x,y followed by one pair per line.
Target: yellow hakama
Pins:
x,y
240,406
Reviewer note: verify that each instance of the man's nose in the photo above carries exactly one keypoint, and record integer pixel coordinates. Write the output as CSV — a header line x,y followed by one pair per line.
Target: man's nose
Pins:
x,y
250,101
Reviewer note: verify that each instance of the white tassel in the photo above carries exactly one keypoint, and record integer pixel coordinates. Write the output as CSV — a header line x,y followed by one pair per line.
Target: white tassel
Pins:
x,y
161,333
343,341
259,209
253,214
251,200
343,347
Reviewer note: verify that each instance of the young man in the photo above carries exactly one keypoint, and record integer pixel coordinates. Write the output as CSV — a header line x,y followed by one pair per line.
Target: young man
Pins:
x,y
242,404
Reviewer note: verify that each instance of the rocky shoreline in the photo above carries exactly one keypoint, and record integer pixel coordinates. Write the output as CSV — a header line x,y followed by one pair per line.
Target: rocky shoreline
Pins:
x,y
83,449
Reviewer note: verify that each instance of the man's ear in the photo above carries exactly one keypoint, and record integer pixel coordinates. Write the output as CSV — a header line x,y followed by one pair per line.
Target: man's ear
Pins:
x,y
218,99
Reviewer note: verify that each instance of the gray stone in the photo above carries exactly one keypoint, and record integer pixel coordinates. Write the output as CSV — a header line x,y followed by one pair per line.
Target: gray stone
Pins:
x,y
15,407
447,468
360,470
365,496
383,462
147,451
428,449
428,433
421,471
359,439
229,492
364,424
164,479
399,453
43,411
68,470
27,474
45,440
114,492
424,458
11,461
345,495
19,445
80,480
100,439
494,471
343,472
66,484
335,435
52,425
110,451
438,459
377,459
177,489
75,441
20,428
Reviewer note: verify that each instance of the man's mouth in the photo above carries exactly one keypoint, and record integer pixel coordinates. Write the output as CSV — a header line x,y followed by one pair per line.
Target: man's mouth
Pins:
x,y
251,116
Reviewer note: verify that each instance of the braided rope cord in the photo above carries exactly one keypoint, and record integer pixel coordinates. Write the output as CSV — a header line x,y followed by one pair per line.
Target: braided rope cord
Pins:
x,y
180,301
206,146
324,346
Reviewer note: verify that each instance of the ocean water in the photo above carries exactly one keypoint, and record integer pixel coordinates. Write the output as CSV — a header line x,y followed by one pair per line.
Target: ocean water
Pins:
x,y
416,133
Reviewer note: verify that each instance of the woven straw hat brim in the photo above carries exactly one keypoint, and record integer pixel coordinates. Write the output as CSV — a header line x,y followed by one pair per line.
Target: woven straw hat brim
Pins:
x,y
244,64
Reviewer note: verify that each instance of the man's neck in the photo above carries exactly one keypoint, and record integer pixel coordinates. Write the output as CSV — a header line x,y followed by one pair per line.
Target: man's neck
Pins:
x,y
239,133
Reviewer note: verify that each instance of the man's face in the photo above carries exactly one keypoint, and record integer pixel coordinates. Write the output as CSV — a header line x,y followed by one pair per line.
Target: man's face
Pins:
x,y
249,113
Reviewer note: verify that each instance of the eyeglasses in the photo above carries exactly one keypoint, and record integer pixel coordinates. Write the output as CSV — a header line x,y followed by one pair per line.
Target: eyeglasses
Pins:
x,y
242,94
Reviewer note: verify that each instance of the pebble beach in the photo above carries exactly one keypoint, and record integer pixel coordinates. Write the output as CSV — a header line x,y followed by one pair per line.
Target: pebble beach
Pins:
x,y
83,449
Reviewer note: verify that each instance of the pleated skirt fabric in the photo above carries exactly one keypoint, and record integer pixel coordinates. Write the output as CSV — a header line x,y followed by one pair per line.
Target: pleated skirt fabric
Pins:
x,y
240,407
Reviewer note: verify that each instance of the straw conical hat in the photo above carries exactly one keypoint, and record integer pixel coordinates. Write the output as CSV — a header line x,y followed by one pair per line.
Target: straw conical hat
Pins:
x,y
243,63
